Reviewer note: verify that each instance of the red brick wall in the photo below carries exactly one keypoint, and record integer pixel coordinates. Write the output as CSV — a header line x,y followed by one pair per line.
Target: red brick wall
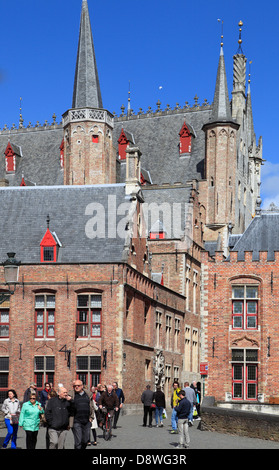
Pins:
x,y
129,341
220,276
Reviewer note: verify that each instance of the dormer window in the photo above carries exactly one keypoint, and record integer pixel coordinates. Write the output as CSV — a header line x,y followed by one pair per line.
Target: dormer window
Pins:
x,y
124,139
158,231
49,253
49,247
11,153
62,154
185,144
157,235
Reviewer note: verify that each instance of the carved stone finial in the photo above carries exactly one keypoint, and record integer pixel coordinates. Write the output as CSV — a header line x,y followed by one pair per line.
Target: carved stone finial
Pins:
x,y
258,205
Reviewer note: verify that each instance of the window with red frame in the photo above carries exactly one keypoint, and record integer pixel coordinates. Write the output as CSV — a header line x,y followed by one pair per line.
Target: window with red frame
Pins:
x,y
5,319
45,316
245,307
62,154
49,248
244,374
10,159
89,313
44,367
4,377
95,139
89,370
122,145
157,235
185,145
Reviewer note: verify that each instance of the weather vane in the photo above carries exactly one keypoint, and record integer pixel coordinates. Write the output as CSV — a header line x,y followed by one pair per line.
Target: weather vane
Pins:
x,y
249,81
222,37
240,51
20,112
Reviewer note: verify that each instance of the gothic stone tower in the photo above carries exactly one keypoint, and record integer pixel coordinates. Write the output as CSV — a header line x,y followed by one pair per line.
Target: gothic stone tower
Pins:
x,y
88,151
220,169
249,153
232,160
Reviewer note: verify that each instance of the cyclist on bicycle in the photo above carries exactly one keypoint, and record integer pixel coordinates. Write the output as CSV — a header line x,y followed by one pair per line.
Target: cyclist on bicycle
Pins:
x,y
109,400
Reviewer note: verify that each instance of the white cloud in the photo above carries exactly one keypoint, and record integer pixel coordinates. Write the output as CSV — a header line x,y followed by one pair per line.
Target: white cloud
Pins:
x,y
270,184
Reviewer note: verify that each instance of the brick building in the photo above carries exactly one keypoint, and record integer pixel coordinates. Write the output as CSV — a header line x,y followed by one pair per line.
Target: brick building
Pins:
x,y
239,315
109,216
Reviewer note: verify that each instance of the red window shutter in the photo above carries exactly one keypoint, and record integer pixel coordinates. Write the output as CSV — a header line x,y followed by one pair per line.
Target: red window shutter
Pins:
x,y
185,139
48,242
62,154
10,159
122,145
157,235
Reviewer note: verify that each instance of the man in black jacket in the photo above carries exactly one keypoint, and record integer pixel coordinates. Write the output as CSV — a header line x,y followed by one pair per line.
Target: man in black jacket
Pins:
x,y
147,399
183,410
57,413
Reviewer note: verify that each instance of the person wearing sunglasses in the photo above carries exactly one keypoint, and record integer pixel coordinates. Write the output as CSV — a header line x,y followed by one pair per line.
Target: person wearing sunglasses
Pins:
x,y
29,420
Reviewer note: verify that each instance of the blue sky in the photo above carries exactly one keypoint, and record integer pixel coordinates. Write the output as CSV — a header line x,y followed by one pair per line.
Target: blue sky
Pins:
x,y
167,50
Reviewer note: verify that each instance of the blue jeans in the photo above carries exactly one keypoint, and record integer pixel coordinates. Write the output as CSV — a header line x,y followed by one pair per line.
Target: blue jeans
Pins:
x,y
190,417
12,433
159,414
174,420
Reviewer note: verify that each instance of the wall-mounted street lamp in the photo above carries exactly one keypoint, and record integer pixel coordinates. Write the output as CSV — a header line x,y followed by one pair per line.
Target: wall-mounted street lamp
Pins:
x,y
11,270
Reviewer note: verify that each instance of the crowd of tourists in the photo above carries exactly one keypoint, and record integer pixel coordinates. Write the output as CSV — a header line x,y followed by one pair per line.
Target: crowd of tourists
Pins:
x,y
81,410
58,411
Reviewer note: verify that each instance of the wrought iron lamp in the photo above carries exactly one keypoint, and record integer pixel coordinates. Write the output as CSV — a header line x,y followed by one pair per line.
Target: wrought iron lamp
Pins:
x,y
11,270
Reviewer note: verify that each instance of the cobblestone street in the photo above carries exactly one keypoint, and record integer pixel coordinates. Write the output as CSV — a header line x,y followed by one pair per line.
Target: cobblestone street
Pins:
x,y
130,434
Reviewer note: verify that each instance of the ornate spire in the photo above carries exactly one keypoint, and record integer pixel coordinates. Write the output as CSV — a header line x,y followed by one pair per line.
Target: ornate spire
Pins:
x,y
239,80
249,114
87,91
221,104
240,51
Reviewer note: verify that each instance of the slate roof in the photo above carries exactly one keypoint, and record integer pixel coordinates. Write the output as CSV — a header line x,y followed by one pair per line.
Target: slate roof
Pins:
x,y
40,160
261,235
157,137
176,201
23,220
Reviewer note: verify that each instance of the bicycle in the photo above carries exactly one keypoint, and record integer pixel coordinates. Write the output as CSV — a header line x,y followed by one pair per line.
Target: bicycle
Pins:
x,y
107,426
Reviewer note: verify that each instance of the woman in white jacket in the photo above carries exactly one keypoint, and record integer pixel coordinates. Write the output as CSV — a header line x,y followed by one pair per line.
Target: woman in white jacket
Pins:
x,y
11,409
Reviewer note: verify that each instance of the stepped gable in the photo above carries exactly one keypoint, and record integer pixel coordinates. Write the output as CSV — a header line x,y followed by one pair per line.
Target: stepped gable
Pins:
x,y
66,205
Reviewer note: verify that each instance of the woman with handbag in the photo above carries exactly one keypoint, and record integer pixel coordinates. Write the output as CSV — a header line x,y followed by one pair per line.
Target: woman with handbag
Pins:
x,y
11,409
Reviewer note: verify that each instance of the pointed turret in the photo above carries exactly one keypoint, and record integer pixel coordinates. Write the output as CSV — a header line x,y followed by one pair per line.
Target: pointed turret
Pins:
x,y
87,91
89,155
250,123
239,81
221,111
220,159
